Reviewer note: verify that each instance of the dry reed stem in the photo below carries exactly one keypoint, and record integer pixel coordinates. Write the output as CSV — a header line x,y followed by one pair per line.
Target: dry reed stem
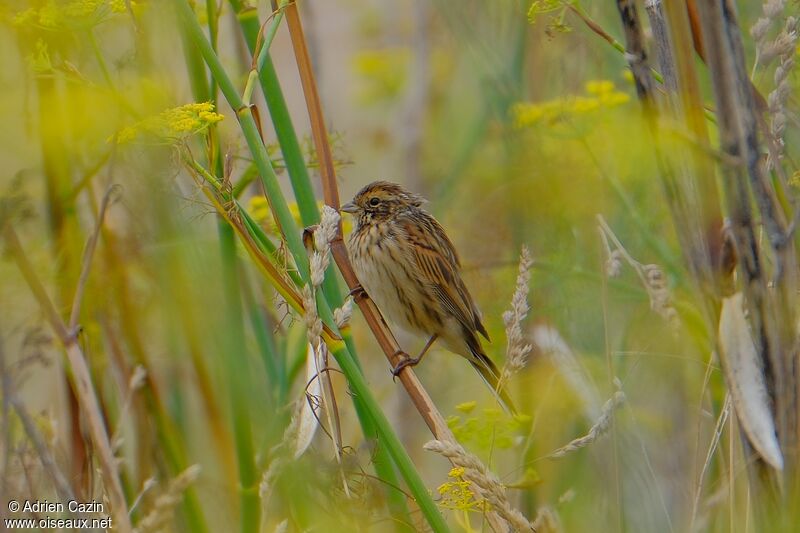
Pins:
x,y
380,330
377,324
87,397
771,312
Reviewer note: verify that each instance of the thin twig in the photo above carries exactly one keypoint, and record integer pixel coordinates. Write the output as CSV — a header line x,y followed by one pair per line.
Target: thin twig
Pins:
x,y
87,258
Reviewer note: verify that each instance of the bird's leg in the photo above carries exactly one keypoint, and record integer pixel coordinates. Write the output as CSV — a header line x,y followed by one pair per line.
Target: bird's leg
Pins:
x,y
413,361
358,293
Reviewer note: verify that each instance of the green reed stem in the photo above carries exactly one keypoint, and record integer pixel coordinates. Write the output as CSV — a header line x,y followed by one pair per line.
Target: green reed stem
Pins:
x,y
309,214
234,356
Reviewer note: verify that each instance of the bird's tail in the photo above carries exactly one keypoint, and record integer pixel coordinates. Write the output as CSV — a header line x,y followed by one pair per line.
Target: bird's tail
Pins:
x,y
491,375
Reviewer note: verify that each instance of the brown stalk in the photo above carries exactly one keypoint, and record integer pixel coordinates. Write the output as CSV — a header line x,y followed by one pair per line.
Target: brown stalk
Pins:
x,y
376,323
771,315
380,330
87,397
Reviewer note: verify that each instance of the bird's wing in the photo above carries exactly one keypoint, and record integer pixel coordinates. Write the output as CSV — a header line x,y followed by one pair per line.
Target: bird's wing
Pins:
x,y
438,264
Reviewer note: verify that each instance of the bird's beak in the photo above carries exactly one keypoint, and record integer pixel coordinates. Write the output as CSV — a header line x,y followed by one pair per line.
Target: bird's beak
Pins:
x,y
349,207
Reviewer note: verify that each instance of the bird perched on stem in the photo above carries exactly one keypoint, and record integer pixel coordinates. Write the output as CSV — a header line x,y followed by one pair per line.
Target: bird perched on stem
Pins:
x,y
408,266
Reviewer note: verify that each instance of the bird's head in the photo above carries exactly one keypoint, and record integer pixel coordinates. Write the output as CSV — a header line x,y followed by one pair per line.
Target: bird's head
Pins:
x,y
381,200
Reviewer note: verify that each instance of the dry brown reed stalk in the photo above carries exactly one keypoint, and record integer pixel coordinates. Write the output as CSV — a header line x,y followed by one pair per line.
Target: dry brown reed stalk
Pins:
x,y
517,349
771,311
375,321
383,335
658,25
488,486
164,506
600,427
87,397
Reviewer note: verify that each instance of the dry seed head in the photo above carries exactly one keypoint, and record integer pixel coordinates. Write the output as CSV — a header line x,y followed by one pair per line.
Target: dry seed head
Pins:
x,y
782,45
342,315
328,226
313,321
546,520
318,264
597,430
759,30
614,264
517,349
773,8
165,504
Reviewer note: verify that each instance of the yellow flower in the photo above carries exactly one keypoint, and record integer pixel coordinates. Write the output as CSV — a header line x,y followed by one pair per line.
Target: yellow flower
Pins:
x,y
601,94
614,98
583,104
599,86
24,17
174,124
456,494
56,15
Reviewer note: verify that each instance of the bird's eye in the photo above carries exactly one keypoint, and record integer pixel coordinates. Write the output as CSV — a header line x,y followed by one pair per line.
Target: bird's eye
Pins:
x,y
374,201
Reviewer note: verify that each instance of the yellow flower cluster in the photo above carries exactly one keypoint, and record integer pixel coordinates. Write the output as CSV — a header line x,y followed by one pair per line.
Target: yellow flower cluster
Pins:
x,y
173,124
55,15
456,494
600,94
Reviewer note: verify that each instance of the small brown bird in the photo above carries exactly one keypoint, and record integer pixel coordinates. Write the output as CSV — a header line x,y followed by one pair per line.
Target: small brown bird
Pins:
x,y
408,266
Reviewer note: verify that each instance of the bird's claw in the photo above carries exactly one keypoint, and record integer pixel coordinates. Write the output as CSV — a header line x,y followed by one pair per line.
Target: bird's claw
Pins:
x,y
358,293
406,361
